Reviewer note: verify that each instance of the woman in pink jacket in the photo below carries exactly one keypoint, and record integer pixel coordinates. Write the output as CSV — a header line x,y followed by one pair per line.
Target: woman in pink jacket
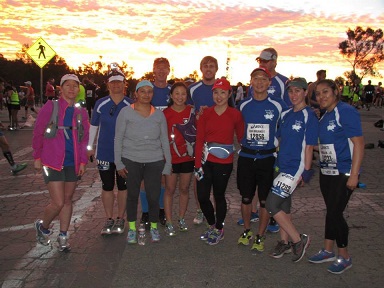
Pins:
x,y
59,147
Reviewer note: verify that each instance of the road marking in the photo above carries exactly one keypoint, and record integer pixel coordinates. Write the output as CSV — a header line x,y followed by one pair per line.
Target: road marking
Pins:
x,y
18,276
23,194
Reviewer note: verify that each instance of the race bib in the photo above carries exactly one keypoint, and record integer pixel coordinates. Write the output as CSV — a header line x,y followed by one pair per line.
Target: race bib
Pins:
x,y
103,165
284,185
89,93
257,134
328,159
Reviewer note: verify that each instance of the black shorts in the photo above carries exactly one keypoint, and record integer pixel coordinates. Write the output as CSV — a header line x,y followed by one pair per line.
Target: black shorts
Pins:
x,y
67,174
255,173
14,107
184,167
108,178
368,98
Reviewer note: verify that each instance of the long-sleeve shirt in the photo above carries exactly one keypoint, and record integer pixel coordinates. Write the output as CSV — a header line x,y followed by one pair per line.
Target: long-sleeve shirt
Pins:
x,y
212,127
142,139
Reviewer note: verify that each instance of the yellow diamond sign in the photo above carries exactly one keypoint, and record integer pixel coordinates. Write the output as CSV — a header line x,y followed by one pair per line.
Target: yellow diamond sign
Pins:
x,y
41,52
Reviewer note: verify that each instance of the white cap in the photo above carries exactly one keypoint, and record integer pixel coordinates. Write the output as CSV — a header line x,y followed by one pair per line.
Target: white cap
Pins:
x,y
69,77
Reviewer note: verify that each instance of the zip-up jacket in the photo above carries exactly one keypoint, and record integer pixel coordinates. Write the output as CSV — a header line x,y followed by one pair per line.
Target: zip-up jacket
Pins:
x,y
51,151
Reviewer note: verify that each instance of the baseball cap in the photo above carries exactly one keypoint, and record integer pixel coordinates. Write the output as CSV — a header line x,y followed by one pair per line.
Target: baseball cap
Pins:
x,y
28,83
222,84
116,75
69,77
263,70
143,83
267,55
161,60
297,82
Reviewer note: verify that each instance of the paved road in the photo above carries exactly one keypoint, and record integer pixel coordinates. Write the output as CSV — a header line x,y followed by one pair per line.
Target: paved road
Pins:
x,y
183,260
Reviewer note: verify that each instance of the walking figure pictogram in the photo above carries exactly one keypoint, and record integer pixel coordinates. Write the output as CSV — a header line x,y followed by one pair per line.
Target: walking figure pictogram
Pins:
x,y
41,48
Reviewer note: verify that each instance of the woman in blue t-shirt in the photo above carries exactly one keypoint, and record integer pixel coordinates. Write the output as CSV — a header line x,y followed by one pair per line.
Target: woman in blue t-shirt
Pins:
x,y
297,132
341,149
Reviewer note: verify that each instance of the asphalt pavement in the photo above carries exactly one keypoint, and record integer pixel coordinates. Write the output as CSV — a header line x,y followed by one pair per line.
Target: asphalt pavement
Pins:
x,y
183,260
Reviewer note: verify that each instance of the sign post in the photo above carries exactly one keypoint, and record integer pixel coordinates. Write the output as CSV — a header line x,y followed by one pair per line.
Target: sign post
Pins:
x,y
41,53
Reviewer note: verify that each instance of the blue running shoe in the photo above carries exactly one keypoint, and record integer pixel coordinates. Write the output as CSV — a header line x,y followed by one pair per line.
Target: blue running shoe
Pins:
x,y
322,256
240,222
340,265
273,228
254,218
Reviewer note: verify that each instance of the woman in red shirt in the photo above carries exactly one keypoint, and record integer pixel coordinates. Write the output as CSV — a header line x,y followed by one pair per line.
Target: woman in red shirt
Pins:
x,y
182,163
215,130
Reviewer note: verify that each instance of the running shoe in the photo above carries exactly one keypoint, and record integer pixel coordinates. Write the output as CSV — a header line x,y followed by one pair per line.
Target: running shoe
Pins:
x,y
145,220
155,235
207,233
107,229
216,236
119,226
41,237
273,227
322,256
245,238
299,248
182,225
19,167
169,229
281,249
258,244
199,217
340,265
162,218
62,241
254,218
131,237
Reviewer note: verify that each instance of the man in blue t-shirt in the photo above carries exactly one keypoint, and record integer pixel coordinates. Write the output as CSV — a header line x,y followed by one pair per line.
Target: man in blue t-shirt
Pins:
x,y
268,60
201,91
161,88
102,133
255,167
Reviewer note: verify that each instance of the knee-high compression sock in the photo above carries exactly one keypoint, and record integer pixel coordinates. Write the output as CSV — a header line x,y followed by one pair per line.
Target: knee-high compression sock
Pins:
x,y
144,201
161,200
8,156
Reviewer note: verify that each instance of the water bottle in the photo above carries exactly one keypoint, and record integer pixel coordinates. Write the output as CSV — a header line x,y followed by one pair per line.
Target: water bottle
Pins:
x,y
142,236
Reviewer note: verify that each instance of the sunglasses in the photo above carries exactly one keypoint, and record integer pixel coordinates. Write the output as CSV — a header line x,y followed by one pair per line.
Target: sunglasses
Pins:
x,y
112,110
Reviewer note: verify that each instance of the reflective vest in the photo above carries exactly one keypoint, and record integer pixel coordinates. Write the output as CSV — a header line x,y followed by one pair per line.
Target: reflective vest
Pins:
x,y
15,98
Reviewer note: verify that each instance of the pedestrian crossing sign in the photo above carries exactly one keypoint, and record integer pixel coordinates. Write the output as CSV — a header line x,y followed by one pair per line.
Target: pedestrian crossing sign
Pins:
x,y
41,52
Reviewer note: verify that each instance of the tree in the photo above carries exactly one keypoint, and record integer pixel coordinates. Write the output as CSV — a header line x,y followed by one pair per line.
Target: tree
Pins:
x,y
363,49
22,55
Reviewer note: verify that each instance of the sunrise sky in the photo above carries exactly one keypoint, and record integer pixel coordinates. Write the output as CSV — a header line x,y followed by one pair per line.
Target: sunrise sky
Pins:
x,y
305,33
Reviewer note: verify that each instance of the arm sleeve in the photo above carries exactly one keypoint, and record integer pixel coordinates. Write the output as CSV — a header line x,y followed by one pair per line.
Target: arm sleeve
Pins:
x,y
119,138
199,140
92,135
165,145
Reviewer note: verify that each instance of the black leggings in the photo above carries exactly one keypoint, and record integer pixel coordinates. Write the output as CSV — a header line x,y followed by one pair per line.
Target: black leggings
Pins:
x,y
216,176
336,196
